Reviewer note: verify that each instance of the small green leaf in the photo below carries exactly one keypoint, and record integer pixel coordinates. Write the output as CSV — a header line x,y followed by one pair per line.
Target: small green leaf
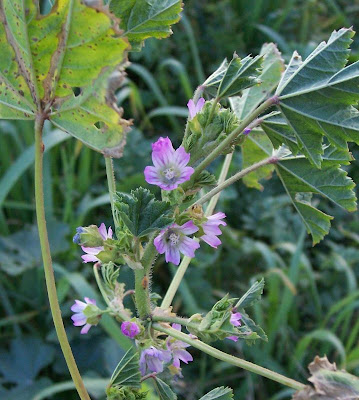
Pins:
x,y
163,390
127,372
142,213
240,75
252,295
273,66
142,19
220,393
251,154
317,97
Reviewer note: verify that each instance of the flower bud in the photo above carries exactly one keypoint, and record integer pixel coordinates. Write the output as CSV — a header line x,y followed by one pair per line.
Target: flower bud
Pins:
x,y
88,236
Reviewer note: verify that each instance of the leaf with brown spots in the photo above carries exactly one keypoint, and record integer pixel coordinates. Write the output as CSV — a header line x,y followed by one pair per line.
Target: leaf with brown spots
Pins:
x,y
64,61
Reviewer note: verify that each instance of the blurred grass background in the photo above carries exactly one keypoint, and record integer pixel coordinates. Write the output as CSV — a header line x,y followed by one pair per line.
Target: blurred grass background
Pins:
x,y
311,299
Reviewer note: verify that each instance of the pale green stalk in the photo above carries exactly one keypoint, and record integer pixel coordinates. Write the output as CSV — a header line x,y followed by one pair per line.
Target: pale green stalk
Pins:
x,y
182,268
111,185
238,362
46,257
239,175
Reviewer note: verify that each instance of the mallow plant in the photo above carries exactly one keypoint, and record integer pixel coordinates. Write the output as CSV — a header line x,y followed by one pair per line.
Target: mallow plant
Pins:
x,y
296,120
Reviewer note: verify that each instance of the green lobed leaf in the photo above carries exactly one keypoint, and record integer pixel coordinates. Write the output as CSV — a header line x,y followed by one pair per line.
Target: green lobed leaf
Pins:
x,y
142,213
220,393
127,372
163,390
273,66
59,65
317,97
239,75
301,180
142,19
252,295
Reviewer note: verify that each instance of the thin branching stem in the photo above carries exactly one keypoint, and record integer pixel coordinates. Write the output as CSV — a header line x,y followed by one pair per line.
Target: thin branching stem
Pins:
x,y
238,362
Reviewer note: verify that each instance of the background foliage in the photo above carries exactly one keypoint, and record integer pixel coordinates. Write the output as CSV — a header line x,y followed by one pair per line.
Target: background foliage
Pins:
x,y
310,304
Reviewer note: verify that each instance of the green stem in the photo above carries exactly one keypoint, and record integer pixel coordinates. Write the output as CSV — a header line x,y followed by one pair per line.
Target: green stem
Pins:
x,y
46,257
142,294
111,185
230,138
181,270
142,280
174,320
99,284
234,178
238,362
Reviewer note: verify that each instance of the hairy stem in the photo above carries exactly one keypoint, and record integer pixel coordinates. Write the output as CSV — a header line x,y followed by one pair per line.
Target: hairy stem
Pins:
x,y
142,280
174,320
46,257
234,178
238,362
230,138
111,185
181,270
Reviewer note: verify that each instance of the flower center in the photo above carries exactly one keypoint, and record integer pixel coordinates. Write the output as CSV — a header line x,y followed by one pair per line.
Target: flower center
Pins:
x,y
169,173
174,238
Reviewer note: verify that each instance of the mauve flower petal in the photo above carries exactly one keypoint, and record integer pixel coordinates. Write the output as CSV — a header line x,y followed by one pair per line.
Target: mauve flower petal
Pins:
x,y
160,243
173,255
103,231
212,240
154,364
78,317
79,322
184,356
234,338
191,108
188,228
181,157
188,246
169,186
185,175
200,104
235,319
85,329
78,306
211,229
162,151
152,176
130,329
178,327
110,233
92,250
90,301
89,258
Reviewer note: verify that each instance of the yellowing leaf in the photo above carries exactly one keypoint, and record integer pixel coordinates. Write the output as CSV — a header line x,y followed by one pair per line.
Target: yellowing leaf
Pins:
x,y
63,62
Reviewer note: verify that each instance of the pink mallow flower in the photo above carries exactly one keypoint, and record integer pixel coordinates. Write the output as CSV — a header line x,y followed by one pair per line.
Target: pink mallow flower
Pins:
x,y
177,349
211,229
130,329
79,318
170,165
93,251
235,321
153,360
193,108
174,240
